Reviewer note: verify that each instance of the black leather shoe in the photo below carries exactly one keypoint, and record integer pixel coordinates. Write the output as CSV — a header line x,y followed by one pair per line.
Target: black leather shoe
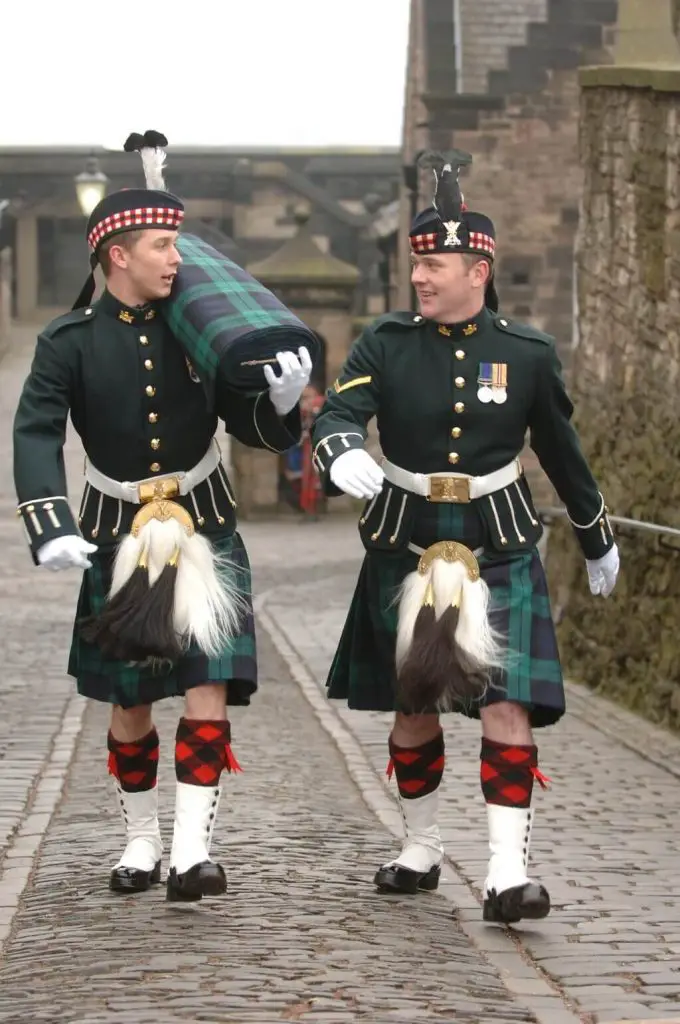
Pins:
x,y
133,879
204,879
395,878
523,902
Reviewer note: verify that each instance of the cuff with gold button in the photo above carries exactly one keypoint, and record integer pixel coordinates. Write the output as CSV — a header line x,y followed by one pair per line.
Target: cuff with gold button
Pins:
x,y
45,519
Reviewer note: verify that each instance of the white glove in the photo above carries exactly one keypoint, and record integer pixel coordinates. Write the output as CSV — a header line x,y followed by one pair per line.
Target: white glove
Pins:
x,y
356,473
602,572
285,391
66,553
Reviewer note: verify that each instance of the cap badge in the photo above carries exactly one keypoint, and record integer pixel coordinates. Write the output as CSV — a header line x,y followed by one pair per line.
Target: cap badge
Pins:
x,y
452,229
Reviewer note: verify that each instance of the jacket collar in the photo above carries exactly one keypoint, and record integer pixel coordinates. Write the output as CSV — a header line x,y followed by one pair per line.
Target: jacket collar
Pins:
x,y
132,315
466,328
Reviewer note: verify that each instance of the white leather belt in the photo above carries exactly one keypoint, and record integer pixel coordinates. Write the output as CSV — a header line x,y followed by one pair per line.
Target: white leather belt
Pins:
x,y
168,486
454,488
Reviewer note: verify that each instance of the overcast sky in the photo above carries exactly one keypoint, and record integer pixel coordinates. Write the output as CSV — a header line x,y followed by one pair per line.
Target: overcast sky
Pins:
x,y
212,72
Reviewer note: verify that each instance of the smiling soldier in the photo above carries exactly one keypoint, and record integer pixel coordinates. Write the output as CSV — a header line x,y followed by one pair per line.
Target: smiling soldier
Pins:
x,y
165,606
451,609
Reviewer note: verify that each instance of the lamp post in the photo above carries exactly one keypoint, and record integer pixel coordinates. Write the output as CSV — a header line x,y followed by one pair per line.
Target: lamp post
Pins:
x,y
90,185
372,203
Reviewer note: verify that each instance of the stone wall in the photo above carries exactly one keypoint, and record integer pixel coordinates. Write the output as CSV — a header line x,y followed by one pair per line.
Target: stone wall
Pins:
x,y
523,134
626,386
489,28
522,130
526,178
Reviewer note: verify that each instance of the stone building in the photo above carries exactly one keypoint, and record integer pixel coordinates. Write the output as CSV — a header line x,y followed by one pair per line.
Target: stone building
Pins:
x,y
246,204
321,289
499,79
242,200
626,367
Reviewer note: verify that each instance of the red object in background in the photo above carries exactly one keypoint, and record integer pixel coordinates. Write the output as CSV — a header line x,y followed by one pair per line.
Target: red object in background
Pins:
x,y
310,484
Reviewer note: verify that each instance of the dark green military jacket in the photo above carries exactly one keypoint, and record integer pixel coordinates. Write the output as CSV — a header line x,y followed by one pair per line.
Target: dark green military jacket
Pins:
x,y
141,413
424,382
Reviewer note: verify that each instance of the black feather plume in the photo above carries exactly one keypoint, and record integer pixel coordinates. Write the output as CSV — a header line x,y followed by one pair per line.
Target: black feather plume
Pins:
x,y
149,140
155,140
133,143
448,198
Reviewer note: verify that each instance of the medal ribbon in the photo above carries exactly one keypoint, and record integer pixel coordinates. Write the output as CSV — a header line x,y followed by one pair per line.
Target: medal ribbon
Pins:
x,y
500,375
485,373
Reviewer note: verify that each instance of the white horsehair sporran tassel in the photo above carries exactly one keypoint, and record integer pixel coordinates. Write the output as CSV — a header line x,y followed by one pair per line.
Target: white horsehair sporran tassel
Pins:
x,y
169,589
446,649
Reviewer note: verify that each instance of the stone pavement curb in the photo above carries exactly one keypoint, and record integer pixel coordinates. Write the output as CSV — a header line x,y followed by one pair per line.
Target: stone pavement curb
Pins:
x,y
613,951
39,727
302,935
23,850
520,975
656,745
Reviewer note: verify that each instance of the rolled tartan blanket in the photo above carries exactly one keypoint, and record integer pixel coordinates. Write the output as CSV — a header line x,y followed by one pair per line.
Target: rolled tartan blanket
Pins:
x,y
228,324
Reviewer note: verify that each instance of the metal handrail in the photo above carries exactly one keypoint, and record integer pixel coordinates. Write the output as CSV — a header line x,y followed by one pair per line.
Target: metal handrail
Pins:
x,y
636,524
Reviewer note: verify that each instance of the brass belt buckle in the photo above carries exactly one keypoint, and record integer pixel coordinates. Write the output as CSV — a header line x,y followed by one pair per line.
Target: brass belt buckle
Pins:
x,y
158,490
452,489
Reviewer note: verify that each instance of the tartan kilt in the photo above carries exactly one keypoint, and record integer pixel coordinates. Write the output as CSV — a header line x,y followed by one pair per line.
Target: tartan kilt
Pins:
x,y
117,682
228,323
363,669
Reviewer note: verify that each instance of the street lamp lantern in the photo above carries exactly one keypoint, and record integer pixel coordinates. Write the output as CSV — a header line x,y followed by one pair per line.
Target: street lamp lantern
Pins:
x,y
91,186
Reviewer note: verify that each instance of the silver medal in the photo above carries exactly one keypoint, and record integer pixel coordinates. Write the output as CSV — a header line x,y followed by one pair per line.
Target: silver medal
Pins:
x,y
499,395
485,394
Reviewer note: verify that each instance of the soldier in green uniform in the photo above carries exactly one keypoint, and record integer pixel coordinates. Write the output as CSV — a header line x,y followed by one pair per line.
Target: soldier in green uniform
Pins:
x,y
451,609
154,478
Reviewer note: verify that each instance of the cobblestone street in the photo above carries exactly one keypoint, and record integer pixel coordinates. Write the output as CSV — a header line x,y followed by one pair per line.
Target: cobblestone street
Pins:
x,y
301,934
604,839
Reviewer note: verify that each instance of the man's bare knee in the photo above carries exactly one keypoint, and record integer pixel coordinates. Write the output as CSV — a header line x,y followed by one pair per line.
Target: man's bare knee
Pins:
x,y
507,722
130,724
207,702
414,730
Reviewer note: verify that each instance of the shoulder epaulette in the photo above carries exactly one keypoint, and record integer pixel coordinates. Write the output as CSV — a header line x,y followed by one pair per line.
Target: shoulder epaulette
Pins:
x,y
398,319
522,330
75,316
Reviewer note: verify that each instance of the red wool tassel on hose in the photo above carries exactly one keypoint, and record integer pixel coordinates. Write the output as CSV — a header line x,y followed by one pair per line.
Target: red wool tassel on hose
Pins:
x,y
232,764
541,779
